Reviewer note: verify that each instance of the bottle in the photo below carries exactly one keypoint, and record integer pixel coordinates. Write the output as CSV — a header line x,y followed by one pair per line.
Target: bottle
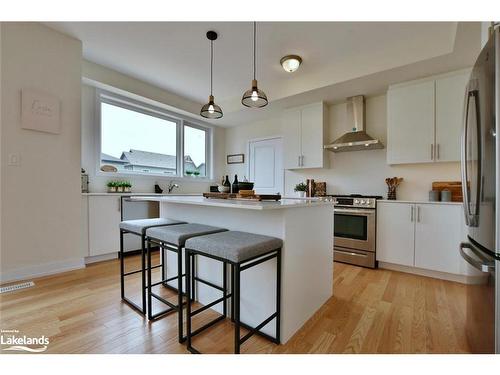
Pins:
x,y
234,187
227,184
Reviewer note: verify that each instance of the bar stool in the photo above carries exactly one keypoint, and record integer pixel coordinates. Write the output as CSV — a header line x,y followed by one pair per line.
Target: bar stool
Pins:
x,y
172,238
138,228
242,251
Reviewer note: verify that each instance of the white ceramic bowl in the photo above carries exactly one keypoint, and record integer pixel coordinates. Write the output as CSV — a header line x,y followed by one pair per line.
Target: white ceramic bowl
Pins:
x,y
223,189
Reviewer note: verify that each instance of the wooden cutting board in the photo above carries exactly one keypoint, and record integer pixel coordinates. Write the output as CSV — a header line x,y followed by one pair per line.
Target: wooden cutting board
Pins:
x,y
454,186
257,197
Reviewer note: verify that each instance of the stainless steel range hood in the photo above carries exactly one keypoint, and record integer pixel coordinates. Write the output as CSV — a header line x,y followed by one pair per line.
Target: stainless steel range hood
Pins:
x,y
357,139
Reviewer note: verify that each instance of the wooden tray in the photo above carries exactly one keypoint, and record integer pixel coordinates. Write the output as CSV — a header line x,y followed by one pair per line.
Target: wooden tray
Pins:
x,y
256,197
454,186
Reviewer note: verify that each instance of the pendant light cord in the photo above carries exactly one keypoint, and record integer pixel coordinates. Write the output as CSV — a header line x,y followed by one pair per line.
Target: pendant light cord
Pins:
x,y
211,65
254,33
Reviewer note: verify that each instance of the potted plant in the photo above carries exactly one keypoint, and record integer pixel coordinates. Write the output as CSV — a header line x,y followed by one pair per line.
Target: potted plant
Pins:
x,y
111,186
196,173
189,173
127,187
300,190
119,186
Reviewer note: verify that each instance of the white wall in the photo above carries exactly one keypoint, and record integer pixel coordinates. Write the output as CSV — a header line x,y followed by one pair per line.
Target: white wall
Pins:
x,y
127,85
40,199
350,172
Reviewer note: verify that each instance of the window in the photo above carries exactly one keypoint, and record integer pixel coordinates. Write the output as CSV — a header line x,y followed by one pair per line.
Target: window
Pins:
x,y
195,151
137,138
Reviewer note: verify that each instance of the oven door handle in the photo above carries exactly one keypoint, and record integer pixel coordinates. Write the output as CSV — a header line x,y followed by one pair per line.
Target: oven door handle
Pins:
x,y
359,212
479,262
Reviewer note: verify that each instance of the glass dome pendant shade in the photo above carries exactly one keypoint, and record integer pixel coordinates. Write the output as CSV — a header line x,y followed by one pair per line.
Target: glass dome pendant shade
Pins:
x,y
254,98
211,110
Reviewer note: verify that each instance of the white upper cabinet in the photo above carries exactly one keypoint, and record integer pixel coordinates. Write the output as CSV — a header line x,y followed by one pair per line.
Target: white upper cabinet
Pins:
x,y
424,119
304,136
450,93
410,123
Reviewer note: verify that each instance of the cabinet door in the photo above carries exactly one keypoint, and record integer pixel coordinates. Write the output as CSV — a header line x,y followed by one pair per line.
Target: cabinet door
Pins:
x,y
450,93
84,235
104,219
395,233
291,139
410,124
312,136
438,233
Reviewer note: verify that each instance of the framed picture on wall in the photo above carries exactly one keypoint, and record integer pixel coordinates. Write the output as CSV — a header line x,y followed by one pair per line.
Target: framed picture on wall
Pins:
x,y
236,159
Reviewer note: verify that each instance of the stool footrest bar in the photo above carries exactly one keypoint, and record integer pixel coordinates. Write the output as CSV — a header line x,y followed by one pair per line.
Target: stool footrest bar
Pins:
x,y
193,313
209,283
258,328
209,324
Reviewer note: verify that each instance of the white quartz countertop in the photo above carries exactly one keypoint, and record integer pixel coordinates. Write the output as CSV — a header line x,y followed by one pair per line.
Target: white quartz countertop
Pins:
x,y
231,203
141,194
416,202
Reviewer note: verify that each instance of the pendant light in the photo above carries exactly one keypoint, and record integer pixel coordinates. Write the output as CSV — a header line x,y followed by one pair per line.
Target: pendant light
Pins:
x,y
254,98
211,110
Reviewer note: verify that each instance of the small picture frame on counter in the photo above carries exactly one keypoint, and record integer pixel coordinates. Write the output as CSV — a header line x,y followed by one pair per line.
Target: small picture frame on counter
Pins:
x,y
236,159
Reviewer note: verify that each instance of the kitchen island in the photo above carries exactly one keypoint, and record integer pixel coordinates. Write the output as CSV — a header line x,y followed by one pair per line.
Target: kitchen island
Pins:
x,y
306,228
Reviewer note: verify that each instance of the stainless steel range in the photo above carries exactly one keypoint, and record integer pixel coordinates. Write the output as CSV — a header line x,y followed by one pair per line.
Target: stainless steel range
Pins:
x,y
355,229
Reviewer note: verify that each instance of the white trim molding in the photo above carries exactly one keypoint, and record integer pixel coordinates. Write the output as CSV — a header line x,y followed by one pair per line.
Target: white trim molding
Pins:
x,y
45,269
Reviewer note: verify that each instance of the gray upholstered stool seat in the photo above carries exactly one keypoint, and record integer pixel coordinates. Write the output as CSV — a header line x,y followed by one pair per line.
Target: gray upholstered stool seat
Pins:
x,y
178,234
140,226
234,246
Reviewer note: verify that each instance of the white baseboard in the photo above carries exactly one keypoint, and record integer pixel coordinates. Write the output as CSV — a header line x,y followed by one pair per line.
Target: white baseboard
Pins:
x,y
39,270
435,274
101,258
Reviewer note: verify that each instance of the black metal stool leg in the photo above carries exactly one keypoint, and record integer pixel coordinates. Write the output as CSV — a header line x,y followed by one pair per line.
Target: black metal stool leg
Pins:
x,y
236,301
193,274
232,292
224,288
188,302
148,252
143,273
122,267
179,293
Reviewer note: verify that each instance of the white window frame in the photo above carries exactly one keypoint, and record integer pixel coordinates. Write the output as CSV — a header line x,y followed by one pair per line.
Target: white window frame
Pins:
x,y
104,96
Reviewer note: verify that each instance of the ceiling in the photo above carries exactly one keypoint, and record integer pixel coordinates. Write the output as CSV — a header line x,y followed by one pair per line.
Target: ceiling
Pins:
x,y
359,56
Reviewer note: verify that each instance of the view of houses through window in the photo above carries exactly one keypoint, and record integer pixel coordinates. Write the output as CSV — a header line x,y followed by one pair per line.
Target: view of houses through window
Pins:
x,y
141,142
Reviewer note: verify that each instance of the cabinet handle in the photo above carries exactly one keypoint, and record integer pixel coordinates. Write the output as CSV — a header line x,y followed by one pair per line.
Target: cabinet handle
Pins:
x,y
298,160
411,213
302,160
432,151
418,214
119,204
437,151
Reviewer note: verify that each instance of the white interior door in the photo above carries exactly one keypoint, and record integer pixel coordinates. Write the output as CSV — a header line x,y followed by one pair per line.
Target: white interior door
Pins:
x,y
266,165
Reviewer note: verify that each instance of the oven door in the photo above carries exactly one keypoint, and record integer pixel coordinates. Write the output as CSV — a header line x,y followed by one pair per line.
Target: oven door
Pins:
x,y
354,228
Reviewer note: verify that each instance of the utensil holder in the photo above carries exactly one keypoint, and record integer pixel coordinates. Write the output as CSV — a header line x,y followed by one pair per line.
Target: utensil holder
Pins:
x,y
391,193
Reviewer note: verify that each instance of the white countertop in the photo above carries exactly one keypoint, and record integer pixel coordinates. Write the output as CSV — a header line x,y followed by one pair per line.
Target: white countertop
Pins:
x,y
416,202
141,194
231,203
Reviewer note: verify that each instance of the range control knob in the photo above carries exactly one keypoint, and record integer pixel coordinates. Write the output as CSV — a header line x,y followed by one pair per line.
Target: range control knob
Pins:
x,y
356,201
363,201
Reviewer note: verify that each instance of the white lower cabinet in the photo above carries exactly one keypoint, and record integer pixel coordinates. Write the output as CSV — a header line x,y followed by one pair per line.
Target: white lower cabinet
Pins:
x,y
395,233
438,232
425,236
104,221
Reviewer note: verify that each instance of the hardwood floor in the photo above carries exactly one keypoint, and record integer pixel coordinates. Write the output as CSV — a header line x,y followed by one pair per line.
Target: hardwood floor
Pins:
x,y
372,311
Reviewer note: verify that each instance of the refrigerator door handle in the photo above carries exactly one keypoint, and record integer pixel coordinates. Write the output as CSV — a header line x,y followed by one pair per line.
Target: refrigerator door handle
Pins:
x,y
482,264
470,218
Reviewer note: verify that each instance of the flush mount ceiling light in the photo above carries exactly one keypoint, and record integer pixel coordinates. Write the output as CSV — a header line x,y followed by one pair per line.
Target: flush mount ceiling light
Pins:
x,y
211,110
254,98
291,63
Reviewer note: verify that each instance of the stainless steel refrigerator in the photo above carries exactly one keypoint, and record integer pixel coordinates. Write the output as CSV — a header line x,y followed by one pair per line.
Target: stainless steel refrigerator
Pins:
x,y
480,184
